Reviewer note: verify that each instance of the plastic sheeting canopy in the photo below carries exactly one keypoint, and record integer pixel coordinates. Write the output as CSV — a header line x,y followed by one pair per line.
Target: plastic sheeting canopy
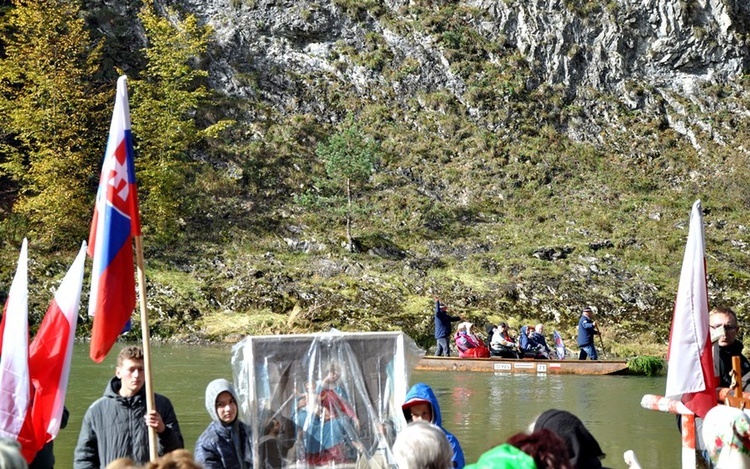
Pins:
x,y
328,399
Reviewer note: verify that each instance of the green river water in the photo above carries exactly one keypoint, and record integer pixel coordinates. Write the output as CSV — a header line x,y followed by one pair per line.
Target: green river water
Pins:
x,y
481,409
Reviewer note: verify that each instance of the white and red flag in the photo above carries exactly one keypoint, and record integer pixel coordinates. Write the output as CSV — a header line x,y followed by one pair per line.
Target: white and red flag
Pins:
x,y
116,220
15,383
690,367
50,354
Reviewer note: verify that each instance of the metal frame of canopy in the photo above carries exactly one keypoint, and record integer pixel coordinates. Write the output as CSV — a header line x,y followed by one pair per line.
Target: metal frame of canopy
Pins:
x,y
272,373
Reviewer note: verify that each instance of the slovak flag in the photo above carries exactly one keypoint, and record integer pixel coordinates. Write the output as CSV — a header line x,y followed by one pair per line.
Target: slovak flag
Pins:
x,y
15,383
50,354
690,364
116,220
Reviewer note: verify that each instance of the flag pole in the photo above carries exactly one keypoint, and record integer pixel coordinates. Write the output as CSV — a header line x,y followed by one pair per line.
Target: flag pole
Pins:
x,y
153,444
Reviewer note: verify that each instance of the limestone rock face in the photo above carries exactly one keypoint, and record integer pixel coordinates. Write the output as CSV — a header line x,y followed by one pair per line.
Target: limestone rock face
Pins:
x,y
288,52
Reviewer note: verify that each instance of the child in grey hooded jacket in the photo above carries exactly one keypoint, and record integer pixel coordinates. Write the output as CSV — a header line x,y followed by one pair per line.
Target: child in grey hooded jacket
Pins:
x,y
227,442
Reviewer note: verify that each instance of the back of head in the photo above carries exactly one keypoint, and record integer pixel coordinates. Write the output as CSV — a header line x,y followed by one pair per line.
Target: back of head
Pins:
x,y
177,459
548,450
422,445
123,463
583,449
213,390
10,455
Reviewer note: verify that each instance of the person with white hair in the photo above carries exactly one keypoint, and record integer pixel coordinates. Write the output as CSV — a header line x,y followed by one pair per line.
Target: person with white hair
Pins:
x,y
422,445
10,455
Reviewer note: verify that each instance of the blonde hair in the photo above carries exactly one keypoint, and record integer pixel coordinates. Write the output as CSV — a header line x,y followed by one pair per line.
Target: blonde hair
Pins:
x,y
177,459
123,463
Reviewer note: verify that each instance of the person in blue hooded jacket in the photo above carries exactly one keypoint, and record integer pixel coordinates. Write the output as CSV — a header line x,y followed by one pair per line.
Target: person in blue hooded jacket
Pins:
x,y
421,404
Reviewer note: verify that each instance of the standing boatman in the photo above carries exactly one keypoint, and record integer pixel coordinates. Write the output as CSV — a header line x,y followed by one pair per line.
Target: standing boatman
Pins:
x,y
443,322
586,332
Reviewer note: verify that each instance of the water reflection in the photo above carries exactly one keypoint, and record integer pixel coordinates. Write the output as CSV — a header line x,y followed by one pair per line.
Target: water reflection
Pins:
x,y
481,409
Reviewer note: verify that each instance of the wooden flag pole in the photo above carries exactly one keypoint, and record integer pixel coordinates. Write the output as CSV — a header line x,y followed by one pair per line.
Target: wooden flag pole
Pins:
x,y
153,443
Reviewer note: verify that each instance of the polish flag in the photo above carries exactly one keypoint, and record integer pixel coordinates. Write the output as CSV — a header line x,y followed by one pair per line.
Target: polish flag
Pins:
x,y
15,384
690,365
116,220
50,353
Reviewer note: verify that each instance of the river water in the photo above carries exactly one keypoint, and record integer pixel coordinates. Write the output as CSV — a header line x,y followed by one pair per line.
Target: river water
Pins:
x,y
481,409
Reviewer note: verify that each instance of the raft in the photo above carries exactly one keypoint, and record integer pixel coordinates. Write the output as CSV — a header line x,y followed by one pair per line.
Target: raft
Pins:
x,y
525,366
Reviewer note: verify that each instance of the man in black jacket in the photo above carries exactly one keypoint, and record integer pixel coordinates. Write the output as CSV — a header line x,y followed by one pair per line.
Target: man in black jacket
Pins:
x,y
116,425
724,328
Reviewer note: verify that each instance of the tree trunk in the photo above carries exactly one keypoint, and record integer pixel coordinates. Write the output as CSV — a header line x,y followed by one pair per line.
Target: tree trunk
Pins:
x,y
349,241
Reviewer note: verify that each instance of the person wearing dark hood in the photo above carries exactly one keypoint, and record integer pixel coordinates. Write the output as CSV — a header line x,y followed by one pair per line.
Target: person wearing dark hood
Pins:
x,y
422,405
724,328
227,442
583,449
116,425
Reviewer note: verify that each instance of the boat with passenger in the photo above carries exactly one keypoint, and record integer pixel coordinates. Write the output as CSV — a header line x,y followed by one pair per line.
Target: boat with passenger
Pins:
x,y
525,365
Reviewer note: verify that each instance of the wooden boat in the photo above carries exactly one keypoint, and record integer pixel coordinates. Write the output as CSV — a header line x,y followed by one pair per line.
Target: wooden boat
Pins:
x,y
526,365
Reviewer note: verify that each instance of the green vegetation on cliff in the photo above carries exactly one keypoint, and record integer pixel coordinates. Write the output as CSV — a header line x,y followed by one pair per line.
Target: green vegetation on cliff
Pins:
x,y
481,195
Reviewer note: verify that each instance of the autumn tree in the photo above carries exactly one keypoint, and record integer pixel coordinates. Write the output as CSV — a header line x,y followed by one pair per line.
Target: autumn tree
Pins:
x,y
165,99
53,130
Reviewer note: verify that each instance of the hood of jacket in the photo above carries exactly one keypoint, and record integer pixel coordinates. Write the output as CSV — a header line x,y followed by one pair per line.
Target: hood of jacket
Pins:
x,y
112,390
213,390
422,393
585,452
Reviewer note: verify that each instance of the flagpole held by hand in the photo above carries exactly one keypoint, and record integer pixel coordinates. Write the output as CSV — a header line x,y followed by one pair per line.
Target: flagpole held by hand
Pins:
x,y
153,441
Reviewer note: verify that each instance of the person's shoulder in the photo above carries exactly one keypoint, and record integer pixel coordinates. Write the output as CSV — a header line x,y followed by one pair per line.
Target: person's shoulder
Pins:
x,y
101,403
449,435
162,399
209,435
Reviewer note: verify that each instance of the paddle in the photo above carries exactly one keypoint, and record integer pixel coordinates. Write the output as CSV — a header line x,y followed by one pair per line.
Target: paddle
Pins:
x,y
601,342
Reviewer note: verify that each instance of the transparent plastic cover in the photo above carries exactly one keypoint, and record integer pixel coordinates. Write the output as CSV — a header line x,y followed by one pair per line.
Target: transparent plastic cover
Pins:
x,y
328,399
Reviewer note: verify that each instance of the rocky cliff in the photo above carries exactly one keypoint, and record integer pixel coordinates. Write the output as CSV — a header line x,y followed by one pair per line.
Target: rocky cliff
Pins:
x,y
656,56
542,154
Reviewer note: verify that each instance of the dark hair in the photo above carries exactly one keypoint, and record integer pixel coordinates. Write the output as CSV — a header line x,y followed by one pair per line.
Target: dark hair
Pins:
x,y
583,448
269,426
545,446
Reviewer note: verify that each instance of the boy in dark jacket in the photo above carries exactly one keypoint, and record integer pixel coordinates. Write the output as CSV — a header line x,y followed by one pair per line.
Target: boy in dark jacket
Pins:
x,y
116,425
226,442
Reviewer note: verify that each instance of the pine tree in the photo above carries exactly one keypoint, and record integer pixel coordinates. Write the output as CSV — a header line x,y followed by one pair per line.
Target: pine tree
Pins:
x,y
53,133
349,157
